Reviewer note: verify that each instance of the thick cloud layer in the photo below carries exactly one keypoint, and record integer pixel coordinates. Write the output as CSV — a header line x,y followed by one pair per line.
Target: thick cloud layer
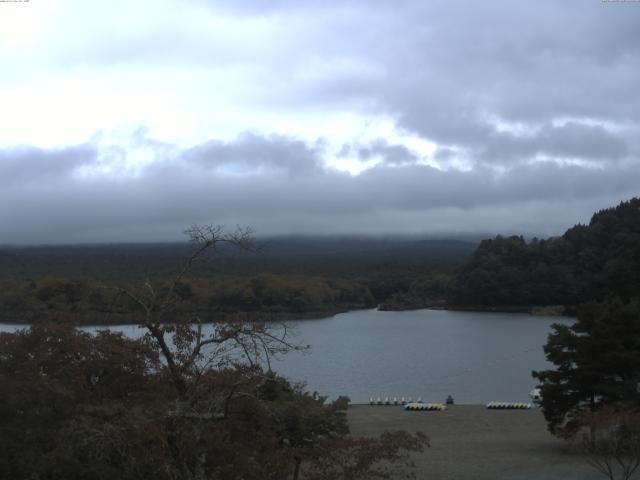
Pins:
x,y
315,117
275,192
24,165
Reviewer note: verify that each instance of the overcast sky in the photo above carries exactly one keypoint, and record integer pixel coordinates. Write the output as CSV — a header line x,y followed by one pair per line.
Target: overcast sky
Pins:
x,y
129,120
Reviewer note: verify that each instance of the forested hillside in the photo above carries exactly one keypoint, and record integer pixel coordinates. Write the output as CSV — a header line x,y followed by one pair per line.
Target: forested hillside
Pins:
x,y
281,278
338,256
307,276
589,262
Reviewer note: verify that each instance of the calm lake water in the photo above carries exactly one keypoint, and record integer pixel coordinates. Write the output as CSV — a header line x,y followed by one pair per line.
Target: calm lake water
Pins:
x,y
475,357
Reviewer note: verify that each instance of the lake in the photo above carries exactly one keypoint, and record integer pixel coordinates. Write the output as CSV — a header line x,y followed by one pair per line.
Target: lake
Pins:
x,y
474,356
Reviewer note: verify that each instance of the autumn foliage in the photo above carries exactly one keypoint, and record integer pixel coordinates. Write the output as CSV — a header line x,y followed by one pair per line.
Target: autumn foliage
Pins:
x,y
81,406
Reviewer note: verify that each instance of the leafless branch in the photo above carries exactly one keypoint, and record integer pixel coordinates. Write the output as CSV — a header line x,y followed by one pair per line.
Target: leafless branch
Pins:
x,y
614,443
186,351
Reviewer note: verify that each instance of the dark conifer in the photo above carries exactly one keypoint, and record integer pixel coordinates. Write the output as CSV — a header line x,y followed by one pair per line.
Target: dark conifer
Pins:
x,y
597,363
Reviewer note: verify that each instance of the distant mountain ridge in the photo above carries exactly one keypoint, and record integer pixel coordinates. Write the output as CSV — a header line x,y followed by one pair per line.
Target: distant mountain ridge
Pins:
x,y
365,247
287,254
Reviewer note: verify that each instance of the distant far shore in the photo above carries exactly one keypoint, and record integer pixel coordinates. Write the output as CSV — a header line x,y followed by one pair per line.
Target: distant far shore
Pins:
x,y
546,310
105,319
93,319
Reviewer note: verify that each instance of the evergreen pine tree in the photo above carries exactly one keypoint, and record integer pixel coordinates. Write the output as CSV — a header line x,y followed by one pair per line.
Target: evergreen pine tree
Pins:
x,y
597,363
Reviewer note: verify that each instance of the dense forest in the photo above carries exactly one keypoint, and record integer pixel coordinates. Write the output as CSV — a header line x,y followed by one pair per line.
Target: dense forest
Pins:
x,y
306,277
589,262
284,277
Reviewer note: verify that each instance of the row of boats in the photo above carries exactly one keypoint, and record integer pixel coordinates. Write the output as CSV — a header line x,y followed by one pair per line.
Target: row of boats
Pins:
x,y
418,404
508,406
425,406
392,401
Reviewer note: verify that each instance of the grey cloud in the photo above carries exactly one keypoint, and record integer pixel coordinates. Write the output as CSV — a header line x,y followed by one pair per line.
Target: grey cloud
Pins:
x,y
159,202
379,148
252,151
565,72
444,154
582,141
572,140
445,70
30,164
441,69
522,62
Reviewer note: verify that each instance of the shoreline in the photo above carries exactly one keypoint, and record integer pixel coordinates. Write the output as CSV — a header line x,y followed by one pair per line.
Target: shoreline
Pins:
x,y
541,310
75,317
214,317
470,442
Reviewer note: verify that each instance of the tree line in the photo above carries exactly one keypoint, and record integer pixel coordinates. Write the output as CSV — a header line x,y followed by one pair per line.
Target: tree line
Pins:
x,y
91,301
593,391
587,263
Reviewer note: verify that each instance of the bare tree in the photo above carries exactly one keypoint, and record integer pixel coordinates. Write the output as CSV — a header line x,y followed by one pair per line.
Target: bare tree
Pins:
x,y
185,347
613,444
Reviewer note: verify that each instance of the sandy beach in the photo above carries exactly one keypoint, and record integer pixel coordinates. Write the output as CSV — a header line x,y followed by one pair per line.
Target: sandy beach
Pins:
x,y
471,442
